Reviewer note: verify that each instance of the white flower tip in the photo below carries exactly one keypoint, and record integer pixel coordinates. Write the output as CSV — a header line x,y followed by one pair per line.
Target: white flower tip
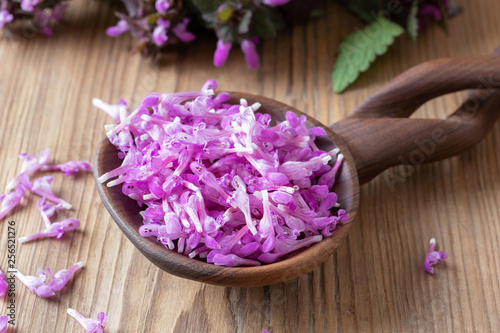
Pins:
x,y
98,103
256,106
192,255
79,264
71,312
337,205
66,205
208,92
22,240
432,241
103,178
111,183
340,157
109,127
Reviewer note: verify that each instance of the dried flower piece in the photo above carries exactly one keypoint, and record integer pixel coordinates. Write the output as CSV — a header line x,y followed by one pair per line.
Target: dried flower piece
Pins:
x,y
91,325
10,200
4,286
433,257
54,230
36,284
61,278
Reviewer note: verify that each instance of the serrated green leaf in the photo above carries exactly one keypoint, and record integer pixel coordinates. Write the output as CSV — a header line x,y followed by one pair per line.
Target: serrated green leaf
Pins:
x,y
359,50
412,25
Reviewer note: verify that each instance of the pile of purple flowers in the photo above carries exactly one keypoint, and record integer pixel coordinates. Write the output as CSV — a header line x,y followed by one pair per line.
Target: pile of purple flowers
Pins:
x,y
39,13
220,181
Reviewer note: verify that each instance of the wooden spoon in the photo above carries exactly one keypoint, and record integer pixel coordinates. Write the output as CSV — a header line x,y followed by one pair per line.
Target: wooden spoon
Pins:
x,y
376,136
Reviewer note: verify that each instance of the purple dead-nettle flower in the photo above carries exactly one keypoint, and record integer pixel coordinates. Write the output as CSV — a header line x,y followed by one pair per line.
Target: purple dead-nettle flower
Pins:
x,y
54,230
41,186
162,6
160,33
433,257
251,55
221,53
69,167
5,17
31,164
222,182
61,278
180,30
36,284
10,200
4,321
29,5
3,284
91,325
274,3
118,29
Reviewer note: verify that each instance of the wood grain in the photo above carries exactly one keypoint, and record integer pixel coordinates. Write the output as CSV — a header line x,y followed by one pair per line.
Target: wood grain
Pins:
x,y
375,280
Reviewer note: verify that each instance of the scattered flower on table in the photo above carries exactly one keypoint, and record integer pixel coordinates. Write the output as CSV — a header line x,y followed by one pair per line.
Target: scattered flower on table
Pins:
x,y
54,230
90,324
38,284
69,167
41,187
10,200
31,164
4,286
223,182
61,278
433,257
4,320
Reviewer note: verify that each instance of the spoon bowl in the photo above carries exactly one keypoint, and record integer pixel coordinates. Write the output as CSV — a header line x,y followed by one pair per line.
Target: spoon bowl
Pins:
x,y
125,212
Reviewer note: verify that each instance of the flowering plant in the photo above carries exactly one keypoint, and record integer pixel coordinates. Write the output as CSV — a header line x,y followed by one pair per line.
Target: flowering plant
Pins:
x,y
158,25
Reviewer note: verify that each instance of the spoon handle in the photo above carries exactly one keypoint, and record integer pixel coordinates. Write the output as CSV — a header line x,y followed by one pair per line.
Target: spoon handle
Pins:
x,y
379,134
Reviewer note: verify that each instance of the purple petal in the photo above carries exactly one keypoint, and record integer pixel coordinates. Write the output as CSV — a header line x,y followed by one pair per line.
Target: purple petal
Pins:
x,y
221,53
61,278
251,56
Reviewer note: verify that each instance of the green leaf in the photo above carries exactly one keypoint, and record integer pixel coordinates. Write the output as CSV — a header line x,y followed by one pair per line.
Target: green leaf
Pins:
x,y
444,21
359,50
262,24
412,25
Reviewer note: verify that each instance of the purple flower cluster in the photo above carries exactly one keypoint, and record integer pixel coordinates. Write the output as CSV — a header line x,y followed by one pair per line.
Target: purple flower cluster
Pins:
x,y
38,284
155,27
220,181
41,13
49,202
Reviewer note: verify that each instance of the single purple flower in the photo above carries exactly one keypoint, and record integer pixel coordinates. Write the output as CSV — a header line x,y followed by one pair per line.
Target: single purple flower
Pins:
x,y
162,6
160,35
10,200
61,278
4,320
116,111
69,167
56,229
91,325
118,29
31,164
265,331
221,53
433,257
41,186
29,5
36,284
4,286
251,56
275,3
5,17
180,30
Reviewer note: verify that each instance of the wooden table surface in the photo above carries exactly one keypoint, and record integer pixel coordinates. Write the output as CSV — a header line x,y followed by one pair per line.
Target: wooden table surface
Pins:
x,y
375,281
